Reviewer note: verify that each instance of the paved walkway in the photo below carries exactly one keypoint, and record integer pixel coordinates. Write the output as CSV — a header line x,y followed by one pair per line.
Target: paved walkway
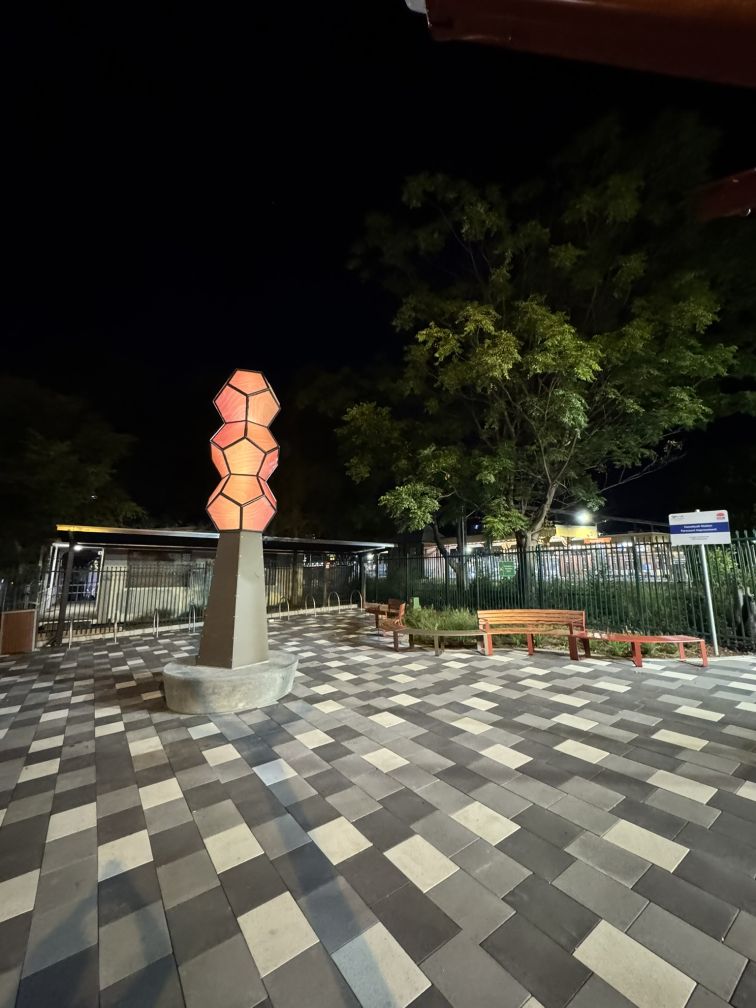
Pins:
x,y
401,830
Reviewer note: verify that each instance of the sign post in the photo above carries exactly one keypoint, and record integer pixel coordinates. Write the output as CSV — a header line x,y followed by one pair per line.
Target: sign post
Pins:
x,y
702,528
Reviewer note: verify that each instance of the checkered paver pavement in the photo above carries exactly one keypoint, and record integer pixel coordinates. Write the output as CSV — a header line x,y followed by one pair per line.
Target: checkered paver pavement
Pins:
x,y
400,830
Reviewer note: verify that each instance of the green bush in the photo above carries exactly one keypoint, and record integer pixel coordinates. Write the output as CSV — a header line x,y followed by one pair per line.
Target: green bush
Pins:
x,y
443,619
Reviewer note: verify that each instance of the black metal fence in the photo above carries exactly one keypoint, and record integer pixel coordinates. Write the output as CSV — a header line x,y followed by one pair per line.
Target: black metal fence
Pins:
x,y
138,595
648,587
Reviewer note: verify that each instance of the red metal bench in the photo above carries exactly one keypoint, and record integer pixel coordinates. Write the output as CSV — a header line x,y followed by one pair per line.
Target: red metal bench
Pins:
x,y
635,641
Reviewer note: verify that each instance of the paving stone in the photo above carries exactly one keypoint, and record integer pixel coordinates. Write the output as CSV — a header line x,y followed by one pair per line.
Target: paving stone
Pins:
x,y
337,914
745,995
470,905
204,823
607,898
538,963
606,857
640,975
549,909
697,955
467,976
379,971
691,904
742,935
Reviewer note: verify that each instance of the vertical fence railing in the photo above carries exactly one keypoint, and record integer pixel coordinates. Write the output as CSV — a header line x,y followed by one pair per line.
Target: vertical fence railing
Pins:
x,y
651,587
648,586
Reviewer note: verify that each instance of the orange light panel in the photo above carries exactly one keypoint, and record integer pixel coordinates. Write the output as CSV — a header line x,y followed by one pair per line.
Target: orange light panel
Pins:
x,y
262,408
245,454
261,436
219,460
228,434
248,382
231,404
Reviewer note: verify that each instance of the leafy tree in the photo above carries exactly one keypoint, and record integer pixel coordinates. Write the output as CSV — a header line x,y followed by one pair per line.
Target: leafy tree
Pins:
x,y
561,335
58,462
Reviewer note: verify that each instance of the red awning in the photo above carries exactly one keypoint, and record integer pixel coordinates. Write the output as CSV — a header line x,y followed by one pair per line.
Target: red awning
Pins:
x,y
712,40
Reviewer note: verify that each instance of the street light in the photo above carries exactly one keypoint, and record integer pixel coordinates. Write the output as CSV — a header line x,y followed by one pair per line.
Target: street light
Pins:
x,y
584,517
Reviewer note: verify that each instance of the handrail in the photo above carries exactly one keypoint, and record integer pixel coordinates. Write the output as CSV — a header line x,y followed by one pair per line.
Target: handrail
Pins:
x,y
288,608
156,624
358,593
338,600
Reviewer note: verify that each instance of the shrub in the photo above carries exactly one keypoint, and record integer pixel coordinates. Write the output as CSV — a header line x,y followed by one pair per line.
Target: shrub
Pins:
x,y
441,619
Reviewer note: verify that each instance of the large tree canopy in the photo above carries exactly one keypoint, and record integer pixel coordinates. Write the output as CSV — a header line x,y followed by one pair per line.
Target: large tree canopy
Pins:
x,y
561,335
58,463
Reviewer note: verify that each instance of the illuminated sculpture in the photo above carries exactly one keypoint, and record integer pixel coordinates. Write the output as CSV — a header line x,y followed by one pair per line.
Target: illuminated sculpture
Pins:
x,y
234,668
245,454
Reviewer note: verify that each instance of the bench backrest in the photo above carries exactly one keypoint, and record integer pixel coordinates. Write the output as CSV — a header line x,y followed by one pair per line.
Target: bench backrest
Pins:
x,y
396,609
530,618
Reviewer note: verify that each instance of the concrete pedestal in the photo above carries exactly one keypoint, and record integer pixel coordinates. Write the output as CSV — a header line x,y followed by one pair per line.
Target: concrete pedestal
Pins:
x,y
234,669
203,689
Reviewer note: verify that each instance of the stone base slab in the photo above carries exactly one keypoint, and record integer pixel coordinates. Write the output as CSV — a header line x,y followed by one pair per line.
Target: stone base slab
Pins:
x,y
203,689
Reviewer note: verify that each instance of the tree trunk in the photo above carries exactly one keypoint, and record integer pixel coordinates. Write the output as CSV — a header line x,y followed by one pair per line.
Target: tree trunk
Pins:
x,y
451,563
526,540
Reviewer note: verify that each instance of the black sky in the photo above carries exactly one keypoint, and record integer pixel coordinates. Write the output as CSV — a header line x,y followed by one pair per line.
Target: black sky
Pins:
x,y
185,182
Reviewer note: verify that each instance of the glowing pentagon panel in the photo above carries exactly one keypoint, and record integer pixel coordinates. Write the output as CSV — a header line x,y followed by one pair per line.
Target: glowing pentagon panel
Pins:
x,y
243,489
218,460
244,458
255,516
269,464
261,408
248,382
231,404
228,434
225,513
261,436
245,454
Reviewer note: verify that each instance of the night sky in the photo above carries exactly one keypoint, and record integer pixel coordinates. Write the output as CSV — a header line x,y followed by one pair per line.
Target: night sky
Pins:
x,y
185,183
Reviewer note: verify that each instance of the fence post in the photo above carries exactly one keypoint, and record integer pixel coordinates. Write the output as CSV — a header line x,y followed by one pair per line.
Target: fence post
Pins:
x,y
57,639
709,600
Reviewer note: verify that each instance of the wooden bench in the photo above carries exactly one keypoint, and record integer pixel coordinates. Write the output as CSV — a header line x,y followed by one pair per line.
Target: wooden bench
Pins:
x,y
567,623
635,641
396,628
394,609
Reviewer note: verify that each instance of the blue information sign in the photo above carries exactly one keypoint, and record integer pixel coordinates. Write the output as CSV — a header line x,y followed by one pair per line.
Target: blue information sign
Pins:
x,y
699,528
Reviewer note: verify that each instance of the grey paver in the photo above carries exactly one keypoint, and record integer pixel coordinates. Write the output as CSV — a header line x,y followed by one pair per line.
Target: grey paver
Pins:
x,y
713,964
209,869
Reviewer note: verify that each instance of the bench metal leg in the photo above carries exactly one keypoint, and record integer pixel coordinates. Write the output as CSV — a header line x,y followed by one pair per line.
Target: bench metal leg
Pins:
x,y
488,644
396,641
681,649
435,645
572,647
635,654
586,646
704,654
531,643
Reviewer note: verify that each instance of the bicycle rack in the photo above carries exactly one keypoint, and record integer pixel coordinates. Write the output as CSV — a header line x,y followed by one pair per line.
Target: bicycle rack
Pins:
x,y
314,602
338,600
70,635
156,624
192,619
288,608
115,631
359,596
